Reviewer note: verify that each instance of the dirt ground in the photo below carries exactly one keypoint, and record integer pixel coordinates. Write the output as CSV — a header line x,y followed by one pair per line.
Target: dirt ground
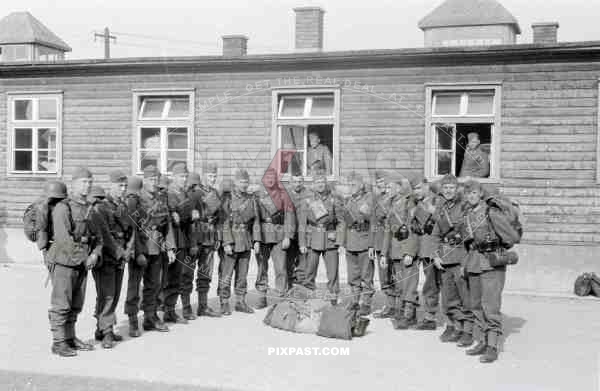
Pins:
x,y
551,344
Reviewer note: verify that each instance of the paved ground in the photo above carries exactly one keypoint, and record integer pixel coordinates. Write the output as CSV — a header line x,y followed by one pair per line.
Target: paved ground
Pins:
x,y
552,344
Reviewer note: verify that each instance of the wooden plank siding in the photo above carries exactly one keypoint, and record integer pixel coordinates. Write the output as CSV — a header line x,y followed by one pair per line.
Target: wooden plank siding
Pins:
x,y
548,149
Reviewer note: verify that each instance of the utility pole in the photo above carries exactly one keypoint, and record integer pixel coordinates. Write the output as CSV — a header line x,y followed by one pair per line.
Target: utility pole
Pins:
x,y
107,37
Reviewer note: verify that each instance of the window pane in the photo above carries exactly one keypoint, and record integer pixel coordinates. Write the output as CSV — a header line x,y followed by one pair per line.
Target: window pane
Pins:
x,y
150,138
46,161
153,108
293,107
296,165
292,137
23,160
47,109
23,109
46,138
444,136
180,108
174,157
444,163
322,107
178,138
23,138
481,103
447,104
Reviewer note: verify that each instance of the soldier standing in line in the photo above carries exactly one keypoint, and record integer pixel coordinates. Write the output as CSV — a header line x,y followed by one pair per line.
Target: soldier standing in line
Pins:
x,y
154,232
278,225
206,236
296,265
381,206
400,248
75,248
181,217
422,225
241,234
320,234
108,275
358,210
163,197
449,258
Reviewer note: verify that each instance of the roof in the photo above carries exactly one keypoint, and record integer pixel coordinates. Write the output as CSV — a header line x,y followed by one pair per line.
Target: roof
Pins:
x,y
357,59
24,28
469,13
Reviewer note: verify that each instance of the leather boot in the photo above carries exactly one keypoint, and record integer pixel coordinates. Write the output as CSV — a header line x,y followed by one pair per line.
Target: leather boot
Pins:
x,y
262,303
108,341
465,340
426,324
78,344
204,309
63,349
490,355
477,350
242,306
171,316
134,330
388,309
450,330
360,328
186,308
225,308
152,323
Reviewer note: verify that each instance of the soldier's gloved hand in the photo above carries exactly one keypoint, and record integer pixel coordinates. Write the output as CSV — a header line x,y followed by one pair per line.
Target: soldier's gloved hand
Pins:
x,y
371,253
303,250
91,261
194,251
285,244
176,219
408,260
141,260
195,215
171,256
256,247
383,262
437,261
228,249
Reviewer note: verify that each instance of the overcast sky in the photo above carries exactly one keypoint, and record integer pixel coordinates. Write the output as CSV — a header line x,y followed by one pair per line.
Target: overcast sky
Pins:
x,y
187,28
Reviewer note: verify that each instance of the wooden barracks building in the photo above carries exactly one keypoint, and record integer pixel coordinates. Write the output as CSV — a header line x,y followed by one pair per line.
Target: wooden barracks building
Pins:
x,y
535,107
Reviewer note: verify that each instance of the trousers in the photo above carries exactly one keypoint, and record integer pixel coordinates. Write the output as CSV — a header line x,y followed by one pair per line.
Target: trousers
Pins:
x,y
486,299
108,278
361,270
235,263
150,275
331,259
66,300
431,288
455,298
279,257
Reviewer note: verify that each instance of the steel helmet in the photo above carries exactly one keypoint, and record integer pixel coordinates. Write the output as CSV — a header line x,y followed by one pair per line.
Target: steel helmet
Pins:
x,y
55,189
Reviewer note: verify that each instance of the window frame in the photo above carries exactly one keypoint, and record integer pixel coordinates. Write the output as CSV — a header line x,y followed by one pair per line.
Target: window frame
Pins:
x,y
306,120
494,119
164,123
598,138
35,125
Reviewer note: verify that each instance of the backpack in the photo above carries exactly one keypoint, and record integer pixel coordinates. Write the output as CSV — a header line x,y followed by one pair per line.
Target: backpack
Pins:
x,y
336,322
36,222
505,219
583,285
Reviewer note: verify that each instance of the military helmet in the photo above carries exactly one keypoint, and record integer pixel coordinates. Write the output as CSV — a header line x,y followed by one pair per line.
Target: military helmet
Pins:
x,y
226,185
55,189
193,179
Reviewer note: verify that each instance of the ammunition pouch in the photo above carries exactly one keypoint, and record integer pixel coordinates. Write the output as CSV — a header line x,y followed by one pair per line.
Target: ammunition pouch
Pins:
x,y
487,246
362,226
453,239
277,219
402,233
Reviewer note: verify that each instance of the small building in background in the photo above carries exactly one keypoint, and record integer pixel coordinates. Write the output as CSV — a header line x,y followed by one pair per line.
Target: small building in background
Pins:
x,y
23,38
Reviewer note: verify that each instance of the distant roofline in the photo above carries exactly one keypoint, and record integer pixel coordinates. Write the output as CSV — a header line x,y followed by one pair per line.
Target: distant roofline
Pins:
x,y
391,58
452,24
41,43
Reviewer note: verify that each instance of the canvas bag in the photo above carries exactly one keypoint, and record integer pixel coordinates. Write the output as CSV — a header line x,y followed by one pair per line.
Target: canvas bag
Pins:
x,y
504,217
336,322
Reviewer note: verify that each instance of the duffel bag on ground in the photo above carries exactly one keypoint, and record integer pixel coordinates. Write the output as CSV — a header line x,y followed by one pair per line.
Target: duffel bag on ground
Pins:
x,y
336,322
595,284
282,316
583,285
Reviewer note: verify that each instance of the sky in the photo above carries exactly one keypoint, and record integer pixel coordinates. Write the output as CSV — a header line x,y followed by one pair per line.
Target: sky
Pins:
x,y
193,28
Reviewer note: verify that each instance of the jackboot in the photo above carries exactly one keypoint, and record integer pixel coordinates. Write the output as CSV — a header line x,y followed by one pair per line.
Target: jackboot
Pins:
x,y
490,355
108,341
99,336
186,308
477,350
262,303
426,324
388,309
448,333
242,306
466,340
171,316
360,328
152,323
63,349
134,330
77,344
225,308
203,307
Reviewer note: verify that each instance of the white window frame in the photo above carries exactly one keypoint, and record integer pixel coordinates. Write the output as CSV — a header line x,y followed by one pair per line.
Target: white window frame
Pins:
x,y
494,119
34,124
164,123
598,139
306,119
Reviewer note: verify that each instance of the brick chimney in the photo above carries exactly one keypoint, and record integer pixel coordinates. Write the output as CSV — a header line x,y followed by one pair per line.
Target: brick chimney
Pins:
x,y
545,33
309,29
235,45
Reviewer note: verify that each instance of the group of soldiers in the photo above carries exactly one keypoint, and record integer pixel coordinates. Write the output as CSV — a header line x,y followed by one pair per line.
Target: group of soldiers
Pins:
x,y
166,231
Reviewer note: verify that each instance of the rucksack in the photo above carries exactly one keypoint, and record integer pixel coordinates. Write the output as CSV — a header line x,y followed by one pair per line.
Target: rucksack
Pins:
x,y
336,322
36,222
583,285
505,219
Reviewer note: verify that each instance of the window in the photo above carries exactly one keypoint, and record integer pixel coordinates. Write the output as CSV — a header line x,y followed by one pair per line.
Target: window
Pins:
x,y
463,128
34,133
15,53
164,124
307,121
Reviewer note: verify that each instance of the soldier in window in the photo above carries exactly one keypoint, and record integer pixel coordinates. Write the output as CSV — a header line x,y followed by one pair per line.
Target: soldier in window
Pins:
x,y
318,154
476,163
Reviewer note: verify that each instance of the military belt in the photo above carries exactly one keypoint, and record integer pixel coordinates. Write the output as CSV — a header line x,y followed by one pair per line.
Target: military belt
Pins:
x,y
328,226
360,227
